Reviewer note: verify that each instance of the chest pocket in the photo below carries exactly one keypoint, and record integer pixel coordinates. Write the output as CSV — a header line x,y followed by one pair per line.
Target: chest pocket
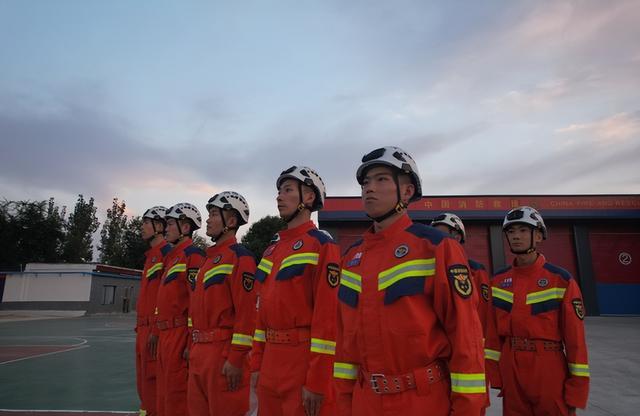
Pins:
x,y
295,265
216,275
405,279
545,300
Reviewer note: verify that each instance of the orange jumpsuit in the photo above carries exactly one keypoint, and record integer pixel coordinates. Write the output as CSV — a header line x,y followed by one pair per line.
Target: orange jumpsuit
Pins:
x,y
222,312
409,338
181,267
145,308
536,351
294,341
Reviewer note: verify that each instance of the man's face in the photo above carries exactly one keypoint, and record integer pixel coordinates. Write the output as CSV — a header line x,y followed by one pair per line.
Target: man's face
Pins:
x,y
214,222
379,193
519,236
288,197
172,229
146,229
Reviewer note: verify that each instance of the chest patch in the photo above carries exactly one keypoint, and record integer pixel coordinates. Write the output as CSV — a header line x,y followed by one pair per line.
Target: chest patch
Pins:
x,y
217,259
401,251
269,250
153,259
543,282
355,261
508,282
298,245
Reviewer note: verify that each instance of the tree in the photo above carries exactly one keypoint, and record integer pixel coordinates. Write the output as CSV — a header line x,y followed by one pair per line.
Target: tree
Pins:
x,y
134,245
261,232
112,248
200,241
31,232
82,223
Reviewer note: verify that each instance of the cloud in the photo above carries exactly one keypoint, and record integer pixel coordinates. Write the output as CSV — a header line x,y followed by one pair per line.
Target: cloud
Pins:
x,y
618,128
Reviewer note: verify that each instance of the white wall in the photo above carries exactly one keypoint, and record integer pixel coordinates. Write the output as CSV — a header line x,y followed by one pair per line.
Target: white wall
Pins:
x,y
49,282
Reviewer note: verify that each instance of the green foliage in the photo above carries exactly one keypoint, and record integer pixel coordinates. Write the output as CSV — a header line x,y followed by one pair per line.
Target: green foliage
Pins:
x,y
134,245
200,241
31,232
261,232
78,244
112,248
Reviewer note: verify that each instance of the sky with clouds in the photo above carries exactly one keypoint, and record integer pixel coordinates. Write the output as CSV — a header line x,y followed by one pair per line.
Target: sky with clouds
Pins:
x,y
159,102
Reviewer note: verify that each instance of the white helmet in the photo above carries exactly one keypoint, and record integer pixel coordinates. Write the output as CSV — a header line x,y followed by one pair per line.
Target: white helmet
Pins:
x,y
453,221
395,158
185,211
525,215
308,177
229,200
155,213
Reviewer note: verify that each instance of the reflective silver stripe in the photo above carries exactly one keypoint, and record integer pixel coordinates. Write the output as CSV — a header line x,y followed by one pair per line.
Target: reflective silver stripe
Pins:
x,y
412,268
468,383
345,371
351,280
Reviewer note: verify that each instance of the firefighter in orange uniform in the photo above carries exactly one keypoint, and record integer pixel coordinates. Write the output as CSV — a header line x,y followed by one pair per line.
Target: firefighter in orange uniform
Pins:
x,y
294,340
152,230
181,267
453,225
222,311
409,338
536,351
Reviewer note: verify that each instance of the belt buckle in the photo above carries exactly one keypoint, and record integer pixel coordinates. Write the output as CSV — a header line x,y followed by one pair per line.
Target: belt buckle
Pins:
x,y
375,379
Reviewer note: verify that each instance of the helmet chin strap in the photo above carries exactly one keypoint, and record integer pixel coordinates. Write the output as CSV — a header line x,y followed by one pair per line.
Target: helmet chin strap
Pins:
x,y
155,232
225,227
400,206
301,206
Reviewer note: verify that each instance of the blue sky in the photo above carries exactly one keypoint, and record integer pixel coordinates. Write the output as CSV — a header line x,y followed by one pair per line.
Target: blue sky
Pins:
x,y
161,102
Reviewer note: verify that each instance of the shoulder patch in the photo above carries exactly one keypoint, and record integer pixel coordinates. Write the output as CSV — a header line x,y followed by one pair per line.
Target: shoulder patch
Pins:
x,y
426,232
475,265
191,277
333,274
247,281
558,270
166,249
501,270
241,251
459,276
322,237
194,250
578,308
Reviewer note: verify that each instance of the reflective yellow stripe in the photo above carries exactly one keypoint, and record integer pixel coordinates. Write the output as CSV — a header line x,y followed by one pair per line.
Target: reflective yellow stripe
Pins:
x,y
180,267
300,258
241,339
189,322
491,354
502,294
351,280
412,268
544,295
265,265
259,335
142,412
345,371
580,370
153,269
221,269
323,346
468,383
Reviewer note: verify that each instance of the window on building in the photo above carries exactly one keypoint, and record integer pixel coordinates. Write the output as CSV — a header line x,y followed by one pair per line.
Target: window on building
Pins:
x,y
109,295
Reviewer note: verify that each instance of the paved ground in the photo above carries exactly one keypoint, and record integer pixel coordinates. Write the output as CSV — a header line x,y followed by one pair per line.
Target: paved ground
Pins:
x,y
87,363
